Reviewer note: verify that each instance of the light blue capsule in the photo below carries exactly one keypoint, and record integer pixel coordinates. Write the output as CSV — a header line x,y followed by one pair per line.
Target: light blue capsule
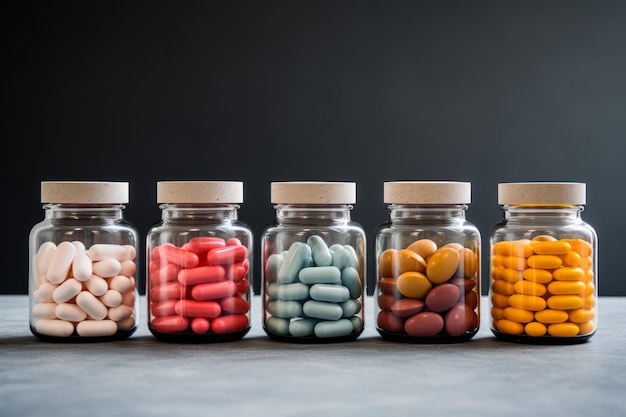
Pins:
x,y
357,323
322,310
352,281
343,327
329,292
302,327
319,251
354,259
350,307
277,325
284,309
288,292
342,257
320,275
272,265
293,261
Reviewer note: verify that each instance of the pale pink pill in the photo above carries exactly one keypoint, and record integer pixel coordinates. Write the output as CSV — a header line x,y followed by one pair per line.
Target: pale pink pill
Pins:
x,y
70,312
120,283
94,328
107,268
81,266
97,285
45,310
44,256
126,324
66,291
130,254
80,246
54,327
44,292
61,262
111,298
102,251
91,305
120,312
128,298
128,268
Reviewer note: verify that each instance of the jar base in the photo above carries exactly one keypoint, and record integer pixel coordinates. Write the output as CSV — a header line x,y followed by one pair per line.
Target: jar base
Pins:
x,y
442,339
542,340
313,339
198,338
83,339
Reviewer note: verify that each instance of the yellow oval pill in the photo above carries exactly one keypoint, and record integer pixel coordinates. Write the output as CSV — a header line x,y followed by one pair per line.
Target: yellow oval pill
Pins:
x,y
497,313
527,302
503,287
583,247
468,264
496,273
563,329
564,302
589,302
571,258
544,261
413,284
586,328
499,300
518,315
530,288
542,276
385,263
518,248
586,262
569,273
405,260
581,315
549,316
442,264
510,327
543,238
590,289
566,287
453,245
511,275
515,262
558,247
423,247
536,329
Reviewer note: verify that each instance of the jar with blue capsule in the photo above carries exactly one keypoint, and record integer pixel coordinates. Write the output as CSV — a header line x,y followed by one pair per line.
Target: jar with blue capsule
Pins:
x,y
313,264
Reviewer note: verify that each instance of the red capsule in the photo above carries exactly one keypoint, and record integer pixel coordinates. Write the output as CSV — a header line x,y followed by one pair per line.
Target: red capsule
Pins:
x,y
200,325
178,256
164,274
227,255
234,305
164,308
213,290
201,274
205,244
229,324
192,308
169,291
169,324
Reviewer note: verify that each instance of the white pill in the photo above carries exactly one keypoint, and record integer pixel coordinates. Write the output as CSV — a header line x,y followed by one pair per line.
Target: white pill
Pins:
x,y
80,246
45,310
43,294
107,268
120,312
70,312
126,324
102,251
53,327
93,328
91,305
128,268
97,285
44,256
120,283
111,298
66,291
61,262
81,266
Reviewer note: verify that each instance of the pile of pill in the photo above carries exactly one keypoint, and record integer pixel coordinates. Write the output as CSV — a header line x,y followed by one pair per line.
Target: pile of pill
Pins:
x,y
83,292
542,287
313,290
426,291
200,287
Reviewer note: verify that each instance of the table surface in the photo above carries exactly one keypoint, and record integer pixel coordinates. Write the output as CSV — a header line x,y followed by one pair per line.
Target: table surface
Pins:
x,y
259,376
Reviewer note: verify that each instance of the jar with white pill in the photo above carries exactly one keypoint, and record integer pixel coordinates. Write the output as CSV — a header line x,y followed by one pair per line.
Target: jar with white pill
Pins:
x,y
83,270
427,264
198,259
543,261
313,264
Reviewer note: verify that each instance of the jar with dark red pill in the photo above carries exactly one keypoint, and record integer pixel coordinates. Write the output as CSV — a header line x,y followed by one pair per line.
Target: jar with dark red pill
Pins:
x,y
198,261
427,264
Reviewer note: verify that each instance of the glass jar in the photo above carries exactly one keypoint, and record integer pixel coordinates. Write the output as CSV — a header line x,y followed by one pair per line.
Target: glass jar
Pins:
x,y
427,264
197,263
543,260
313,267
82,280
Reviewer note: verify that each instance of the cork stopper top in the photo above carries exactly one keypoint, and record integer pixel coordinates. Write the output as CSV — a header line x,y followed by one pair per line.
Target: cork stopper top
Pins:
x,y
312,192
557,193
84,192
200,192
427,192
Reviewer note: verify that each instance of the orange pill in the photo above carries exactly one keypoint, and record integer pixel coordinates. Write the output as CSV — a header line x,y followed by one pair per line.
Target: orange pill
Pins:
x,y
535,329
563,329
581,315
527,302
518,315
549,316
442,265
583,247
385,263
468,264
558,247
544,261
530,288
568,273
542,276
509,326
423,247
413,284
564,302
405,260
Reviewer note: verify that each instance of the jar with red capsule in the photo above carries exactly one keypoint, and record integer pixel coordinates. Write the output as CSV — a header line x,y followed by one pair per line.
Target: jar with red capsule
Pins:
x,y
198,260
427,264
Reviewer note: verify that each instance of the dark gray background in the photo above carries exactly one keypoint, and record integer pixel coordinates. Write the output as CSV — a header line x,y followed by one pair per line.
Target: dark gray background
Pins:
x,y
367,91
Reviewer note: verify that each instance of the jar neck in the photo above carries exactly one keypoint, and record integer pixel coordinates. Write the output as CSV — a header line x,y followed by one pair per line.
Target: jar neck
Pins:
x,y
84,212
408,213
204,212
312,213
541,214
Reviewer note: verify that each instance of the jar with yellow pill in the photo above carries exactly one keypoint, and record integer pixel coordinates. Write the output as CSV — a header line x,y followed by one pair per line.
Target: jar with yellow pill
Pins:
x,y
543,264
427,264
313,264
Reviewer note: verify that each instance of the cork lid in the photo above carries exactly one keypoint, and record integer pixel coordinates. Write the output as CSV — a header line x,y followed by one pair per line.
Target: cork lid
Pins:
x,y
427,192
181,192
84,192
312,192
542,193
